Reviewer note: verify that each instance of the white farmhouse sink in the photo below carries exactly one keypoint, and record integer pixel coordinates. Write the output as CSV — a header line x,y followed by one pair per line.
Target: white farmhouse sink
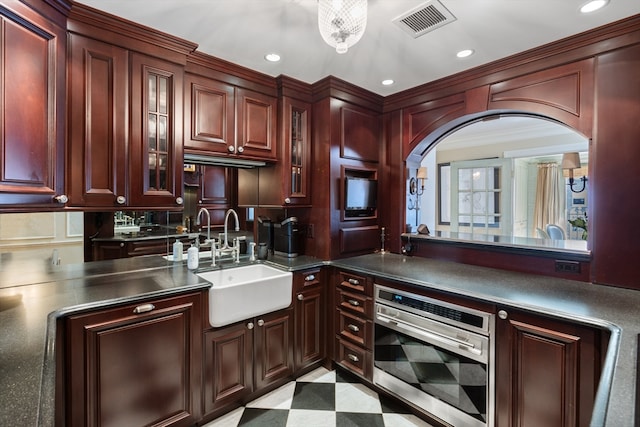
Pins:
x,y
240,293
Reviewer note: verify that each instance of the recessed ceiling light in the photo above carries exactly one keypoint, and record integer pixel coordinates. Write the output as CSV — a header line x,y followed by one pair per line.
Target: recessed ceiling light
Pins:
x,y
464,53
593,5
388,82
272,57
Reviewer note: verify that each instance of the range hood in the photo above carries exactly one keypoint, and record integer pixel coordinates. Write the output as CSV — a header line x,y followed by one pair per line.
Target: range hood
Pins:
x,y
202,159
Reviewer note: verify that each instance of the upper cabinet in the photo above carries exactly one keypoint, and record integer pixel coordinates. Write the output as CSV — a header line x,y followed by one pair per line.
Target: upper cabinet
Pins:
x,y
256,118
288,182
225,120
98,122
125,116
156,168
209,116
33,49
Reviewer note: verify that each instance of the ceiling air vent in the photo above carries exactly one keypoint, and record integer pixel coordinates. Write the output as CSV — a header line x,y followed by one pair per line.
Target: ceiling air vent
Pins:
x,y
424,18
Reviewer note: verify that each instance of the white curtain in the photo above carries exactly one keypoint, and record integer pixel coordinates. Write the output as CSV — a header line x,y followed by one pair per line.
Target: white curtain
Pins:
x,y
550,198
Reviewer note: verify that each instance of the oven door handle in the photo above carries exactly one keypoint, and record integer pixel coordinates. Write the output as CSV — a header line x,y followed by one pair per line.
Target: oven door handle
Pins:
x,y
428,335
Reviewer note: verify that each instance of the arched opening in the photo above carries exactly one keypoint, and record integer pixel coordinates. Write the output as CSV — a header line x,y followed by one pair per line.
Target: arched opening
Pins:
x,y
498,178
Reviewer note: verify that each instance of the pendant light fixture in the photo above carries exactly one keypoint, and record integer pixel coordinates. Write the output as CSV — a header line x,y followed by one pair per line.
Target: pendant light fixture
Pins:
x,y
342,22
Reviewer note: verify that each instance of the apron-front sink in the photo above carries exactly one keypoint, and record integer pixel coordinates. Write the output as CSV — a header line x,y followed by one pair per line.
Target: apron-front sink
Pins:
x,y
240,293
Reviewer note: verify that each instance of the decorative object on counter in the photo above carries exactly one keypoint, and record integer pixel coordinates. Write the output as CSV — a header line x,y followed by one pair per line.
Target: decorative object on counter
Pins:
x,y
571,161
263,251
342,23
177,251
581,223
193,258
252,251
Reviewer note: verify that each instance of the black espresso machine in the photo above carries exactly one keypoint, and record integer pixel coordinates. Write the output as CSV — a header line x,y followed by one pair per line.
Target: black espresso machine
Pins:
x,y
286,238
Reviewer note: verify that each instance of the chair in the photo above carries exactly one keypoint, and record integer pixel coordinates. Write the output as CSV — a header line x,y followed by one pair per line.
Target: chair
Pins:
x,y
555,232
542,234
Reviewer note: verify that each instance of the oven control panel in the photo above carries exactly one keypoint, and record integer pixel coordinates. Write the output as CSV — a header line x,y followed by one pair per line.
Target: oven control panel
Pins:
x,y
465,317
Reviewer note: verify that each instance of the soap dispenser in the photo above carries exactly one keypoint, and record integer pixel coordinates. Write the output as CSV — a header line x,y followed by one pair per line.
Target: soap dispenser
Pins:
x,y
192,257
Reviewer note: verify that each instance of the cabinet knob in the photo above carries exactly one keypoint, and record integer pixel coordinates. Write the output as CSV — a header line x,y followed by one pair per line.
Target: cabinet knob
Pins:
x,y
300,297
144,308
231,148
179,200
250,325
354,281
503,314
122,245
62,198
310,278
260,322
240,149
287,201
120,200
353,358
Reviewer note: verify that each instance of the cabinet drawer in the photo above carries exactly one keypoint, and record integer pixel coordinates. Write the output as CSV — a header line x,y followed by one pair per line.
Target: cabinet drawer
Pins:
x,y
304,280
354,358
355,283
354,328
356,303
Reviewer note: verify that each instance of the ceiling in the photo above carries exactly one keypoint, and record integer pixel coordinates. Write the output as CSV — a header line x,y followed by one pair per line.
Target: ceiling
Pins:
x,y
244,31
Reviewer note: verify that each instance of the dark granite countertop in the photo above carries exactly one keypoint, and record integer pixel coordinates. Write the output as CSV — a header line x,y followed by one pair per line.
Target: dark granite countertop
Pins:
x,y
606,307
34,295
29,310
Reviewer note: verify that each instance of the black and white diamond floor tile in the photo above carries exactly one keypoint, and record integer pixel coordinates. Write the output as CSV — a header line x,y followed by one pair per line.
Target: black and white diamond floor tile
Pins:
x,y
321,398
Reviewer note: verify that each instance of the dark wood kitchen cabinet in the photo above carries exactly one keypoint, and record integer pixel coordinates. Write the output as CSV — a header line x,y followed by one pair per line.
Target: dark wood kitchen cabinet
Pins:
x,y
256,118
309,343
209,116
33,44
246,357
156,132
286,183
228,366
134,365
547,370
125,115
98,118
353,323
227,120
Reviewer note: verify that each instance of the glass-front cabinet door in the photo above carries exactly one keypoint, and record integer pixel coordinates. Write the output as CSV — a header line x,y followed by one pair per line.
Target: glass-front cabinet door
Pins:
x,y
297,146
156,154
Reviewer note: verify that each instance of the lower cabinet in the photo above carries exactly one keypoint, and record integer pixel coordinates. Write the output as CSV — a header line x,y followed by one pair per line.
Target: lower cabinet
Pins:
x,y
547,370
308,289
353,323
135,365
245,357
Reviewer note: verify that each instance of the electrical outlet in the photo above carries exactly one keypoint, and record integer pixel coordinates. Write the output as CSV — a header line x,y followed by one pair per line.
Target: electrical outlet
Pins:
x,y
567,266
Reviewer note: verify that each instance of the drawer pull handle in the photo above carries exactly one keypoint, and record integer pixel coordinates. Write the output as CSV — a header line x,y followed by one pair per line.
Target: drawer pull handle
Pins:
x,y
354,328
310,278
354,303
354,281
300,297
144,308
353,358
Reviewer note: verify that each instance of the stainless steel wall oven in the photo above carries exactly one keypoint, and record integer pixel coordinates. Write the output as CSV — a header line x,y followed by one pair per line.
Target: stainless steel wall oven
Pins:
x,y
435,355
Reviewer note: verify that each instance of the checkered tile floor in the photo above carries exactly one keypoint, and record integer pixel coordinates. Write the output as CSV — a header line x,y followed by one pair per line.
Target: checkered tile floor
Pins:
x,y
321,398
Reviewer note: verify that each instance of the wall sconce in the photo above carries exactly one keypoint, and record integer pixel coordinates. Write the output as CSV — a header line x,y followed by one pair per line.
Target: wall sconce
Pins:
x,y
421,176
571,161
